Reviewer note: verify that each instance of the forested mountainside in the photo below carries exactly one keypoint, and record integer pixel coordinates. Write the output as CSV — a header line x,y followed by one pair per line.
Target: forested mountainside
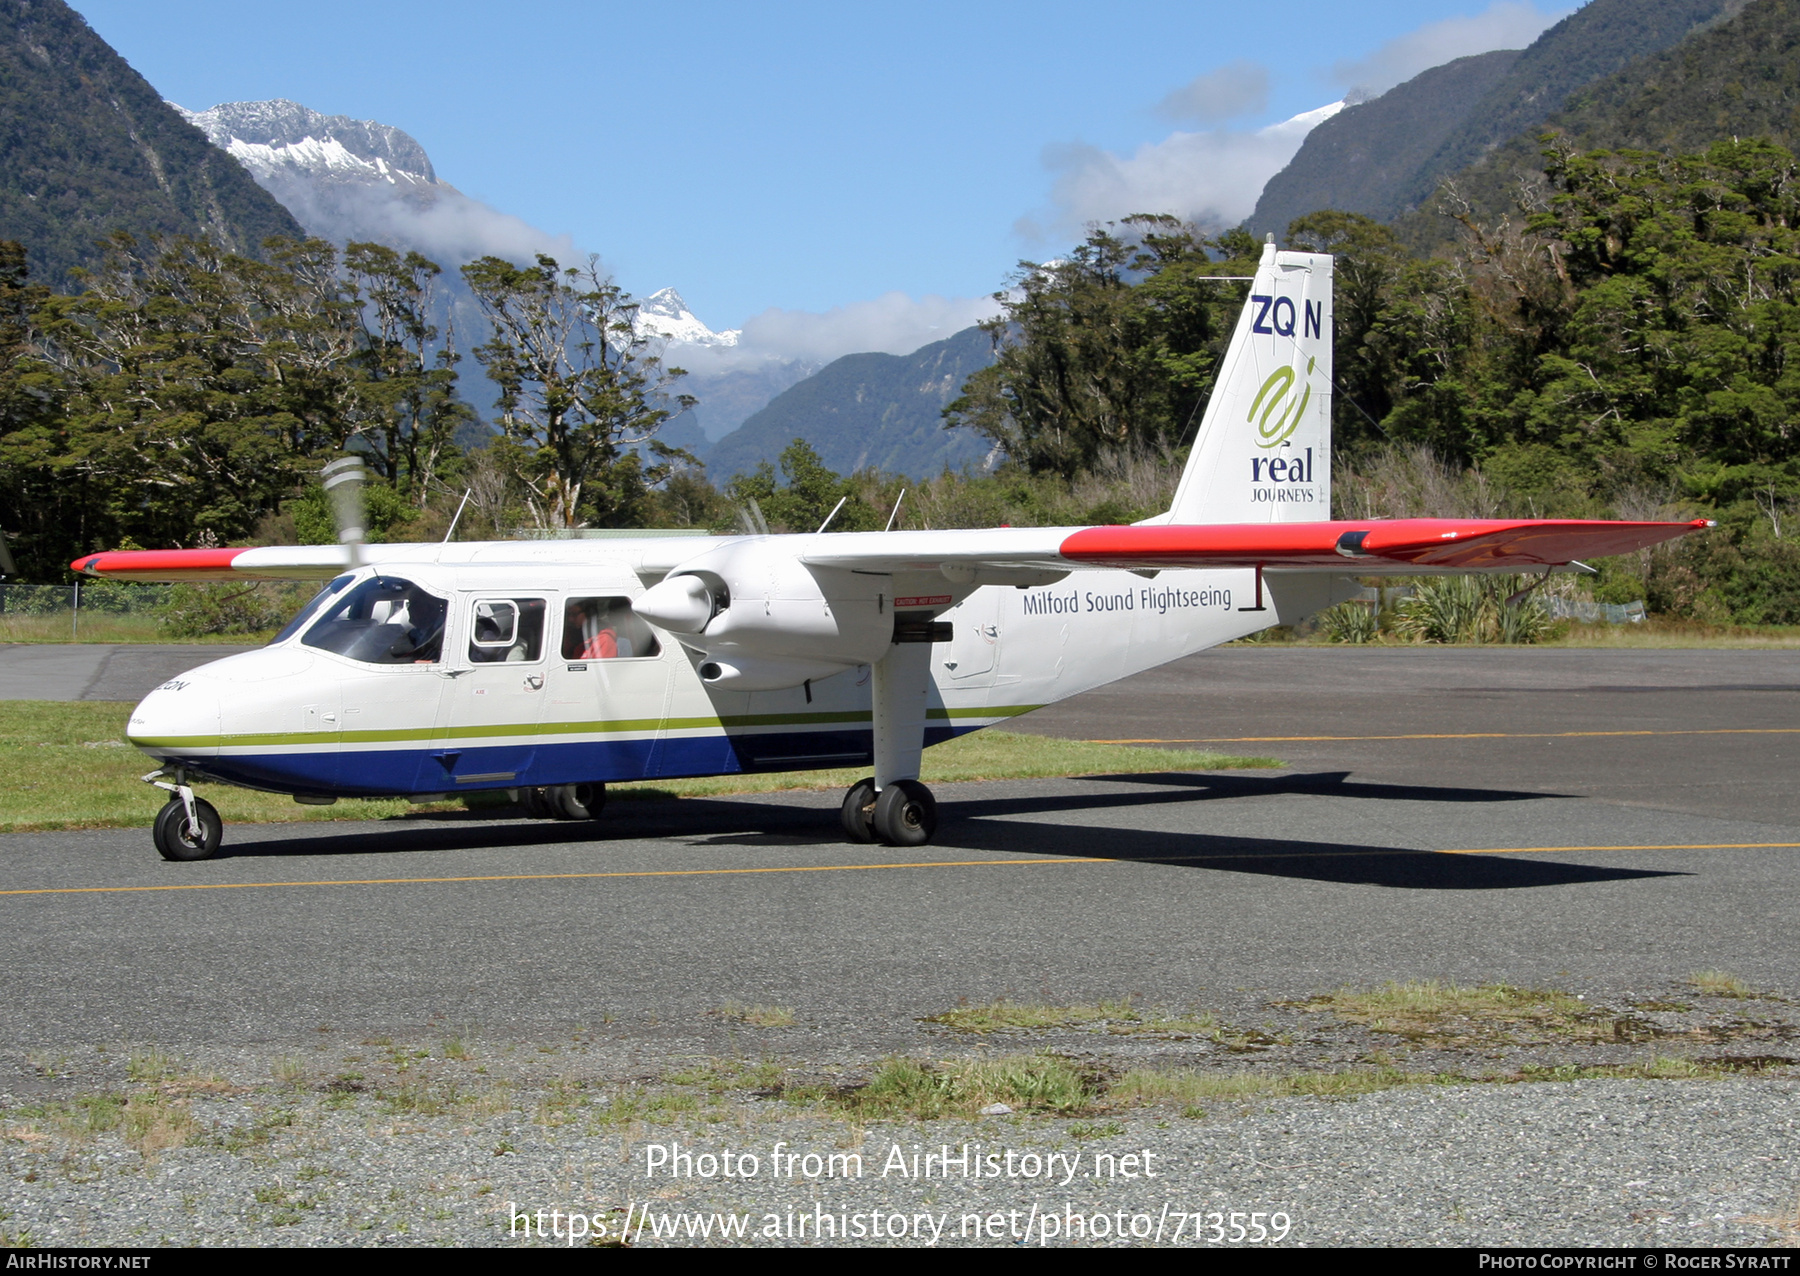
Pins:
x,y
880,411
1738,78
1387,156
1364,158
88,147
1596,40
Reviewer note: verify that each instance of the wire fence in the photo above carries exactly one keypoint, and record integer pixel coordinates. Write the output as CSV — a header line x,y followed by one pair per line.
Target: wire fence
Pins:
x,y
33,612
1631,613
1559,608
108,598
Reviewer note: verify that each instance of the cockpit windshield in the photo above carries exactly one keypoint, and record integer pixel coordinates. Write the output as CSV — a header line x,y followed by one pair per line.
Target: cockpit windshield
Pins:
x,y
383,621
305,613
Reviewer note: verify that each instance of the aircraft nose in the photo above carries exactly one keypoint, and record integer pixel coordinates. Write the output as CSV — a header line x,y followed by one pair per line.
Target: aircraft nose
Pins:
x,y
179,718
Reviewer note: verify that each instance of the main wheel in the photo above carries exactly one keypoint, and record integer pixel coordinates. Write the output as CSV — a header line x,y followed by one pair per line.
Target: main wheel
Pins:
x,y
858,813
177,839
534,805
577,801
905,814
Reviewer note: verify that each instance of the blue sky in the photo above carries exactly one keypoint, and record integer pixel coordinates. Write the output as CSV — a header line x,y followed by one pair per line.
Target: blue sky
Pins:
x,y
809,156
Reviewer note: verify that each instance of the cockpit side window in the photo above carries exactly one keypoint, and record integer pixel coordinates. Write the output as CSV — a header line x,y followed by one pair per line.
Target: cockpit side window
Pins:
x,y
383,621
305,613
507,629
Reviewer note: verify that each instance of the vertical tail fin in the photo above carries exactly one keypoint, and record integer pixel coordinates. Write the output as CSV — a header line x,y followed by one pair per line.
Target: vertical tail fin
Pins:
x,y
1263,454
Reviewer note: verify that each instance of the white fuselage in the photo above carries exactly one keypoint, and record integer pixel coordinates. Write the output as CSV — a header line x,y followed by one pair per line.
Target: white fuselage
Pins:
x,y
299,717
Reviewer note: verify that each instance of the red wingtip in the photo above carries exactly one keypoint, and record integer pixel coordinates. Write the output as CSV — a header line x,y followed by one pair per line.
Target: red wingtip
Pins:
x,y
158,564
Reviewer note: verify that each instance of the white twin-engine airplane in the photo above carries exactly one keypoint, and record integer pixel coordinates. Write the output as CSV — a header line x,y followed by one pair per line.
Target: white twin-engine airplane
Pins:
x,y
553,668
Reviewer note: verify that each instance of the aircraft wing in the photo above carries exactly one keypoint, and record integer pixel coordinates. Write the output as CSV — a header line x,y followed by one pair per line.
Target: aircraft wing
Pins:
x,y
1401,546
271,562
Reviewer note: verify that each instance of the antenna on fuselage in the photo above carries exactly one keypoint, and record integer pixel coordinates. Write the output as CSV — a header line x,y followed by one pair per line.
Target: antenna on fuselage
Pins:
x,y
343,483
833,514
896,513
458,516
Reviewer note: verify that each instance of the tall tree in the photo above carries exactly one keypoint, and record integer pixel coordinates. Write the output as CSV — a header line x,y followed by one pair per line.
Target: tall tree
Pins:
x,y
408,377
197,384
32,508
579,389
1109,349
810,495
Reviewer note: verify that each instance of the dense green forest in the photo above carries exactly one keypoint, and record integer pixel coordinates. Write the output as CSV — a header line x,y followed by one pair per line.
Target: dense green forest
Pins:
x,y
1625,352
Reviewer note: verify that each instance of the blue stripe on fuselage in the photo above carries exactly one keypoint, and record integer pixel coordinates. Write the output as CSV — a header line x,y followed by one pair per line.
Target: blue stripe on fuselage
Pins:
x,y
400,772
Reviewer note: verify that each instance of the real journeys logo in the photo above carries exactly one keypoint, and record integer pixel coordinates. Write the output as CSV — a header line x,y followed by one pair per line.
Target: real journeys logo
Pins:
x,y
1273,430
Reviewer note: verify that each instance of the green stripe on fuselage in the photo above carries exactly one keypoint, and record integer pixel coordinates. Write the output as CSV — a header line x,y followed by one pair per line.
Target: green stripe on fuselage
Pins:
x,y
622,726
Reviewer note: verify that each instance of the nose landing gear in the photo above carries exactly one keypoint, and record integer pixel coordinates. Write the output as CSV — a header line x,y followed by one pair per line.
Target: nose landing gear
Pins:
x,y
187,828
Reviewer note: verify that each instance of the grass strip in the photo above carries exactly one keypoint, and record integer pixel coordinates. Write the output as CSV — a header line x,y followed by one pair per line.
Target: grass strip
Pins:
x,y
67,767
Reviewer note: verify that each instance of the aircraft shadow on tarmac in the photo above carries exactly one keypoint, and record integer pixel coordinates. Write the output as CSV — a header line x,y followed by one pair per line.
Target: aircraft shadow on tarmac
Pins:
x,y
977,827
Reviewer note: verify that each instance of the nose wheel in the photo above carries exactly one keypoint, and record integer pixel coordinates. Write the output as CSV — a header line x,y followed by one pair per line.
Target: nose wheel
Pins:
x,y
902,814
180,836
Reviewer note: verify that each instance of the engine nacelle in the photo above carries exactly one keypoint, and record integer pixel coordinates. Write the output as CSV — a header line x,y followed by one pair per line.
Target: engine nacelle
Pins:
x,y
767,620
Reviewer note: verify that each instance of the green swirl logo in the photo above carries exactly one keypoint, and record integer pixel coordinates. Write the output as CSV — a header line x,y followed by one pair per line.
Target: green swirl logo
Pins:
x,y
1279,422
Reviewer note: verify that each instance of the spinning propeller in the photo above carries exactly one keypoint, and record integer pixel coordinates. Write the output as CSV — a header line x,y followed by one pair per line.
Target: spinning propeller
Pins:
x,y
343,483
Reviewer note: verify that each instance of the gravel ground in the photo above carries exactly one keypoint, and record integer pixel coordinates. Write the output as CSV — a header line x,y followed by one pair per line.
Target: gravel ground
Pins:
x,y
457,1143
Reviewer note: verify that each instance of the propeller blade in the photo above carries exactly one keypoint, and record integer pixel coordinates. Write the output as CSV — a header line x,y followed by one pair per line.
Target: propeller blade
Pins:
x,y
343,483
7,566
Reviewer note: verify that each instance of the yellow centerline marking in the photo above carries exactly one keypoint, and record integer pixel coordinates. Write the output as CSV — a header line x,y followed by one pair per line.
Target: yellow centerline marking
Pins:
x,y
1347,853
1461,735
537,877
1677,846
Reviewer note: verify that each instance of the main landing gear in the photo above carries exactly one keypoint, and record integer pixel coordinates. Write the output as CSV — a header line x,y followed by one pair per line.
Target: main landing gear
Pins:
x,y
891,806
902,814
563,801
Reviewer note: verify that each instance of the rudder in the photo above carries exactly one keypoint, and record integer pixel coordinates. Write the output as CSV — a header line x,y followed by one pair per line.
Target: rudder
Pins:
x,y
1263,454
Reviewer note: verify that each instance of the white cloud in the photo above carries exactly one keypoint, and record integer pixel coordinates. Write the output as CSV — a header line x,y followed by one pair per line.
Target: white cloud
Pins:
x,y
1212,178
1238,88
893,323
1504,24
440,221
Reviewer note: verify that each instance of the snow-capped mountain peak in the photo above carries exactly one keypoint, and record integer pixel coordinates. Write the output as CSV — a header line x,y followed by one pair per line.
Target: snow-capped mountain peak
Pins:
x,y
267,137
664,314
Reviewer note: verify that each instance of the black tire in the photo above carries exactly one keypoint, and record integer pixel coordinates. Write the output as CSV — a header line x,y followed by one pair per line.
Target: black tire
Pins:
x,y
577,801
176,840
905,814
533,804
858,813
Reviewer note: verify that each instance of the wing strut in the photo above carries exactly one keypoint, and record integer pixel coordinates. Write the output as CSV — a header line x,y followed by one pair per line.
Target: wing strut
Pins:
x,y
1259,592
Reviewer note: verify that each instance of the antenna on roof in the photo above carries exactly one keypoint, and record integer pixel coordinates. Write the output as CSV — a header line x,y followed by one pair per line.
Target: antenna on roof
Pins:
x,y
833,514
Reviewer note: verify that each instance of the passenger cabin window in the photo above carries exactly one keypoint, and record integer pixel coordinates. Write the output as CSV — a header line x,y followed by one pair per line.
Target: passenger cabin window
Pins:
x,y
383,621
605,629
507,629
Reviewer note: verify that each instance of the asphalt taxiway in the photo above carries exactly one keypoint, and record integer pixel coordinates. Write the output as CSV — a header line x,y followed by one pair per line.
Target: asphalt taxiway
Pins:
x,y
1602,821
